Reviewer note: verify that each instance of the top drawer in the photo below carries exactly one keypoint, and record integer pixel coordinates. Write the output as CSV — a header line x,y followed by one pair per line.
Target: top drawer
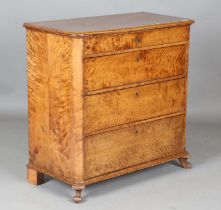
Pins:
x,y
114,42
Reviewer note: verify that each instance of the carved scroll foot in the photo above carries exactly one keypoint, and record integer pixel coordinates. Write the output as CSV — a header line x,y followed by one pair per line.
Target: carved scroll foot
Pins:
x,y
184,163
78,196
34,177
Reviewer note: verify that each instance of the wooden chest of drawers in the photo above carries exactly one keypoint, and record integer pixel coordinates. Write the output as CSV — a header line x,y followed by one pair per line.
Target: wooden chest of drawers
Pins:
x,y
106,96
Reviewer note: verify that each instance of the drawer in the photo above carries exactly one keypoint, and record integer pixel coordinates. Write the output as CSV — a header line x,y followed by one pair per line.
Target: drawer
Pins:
x,y
118,149
124,41
134,67
115,108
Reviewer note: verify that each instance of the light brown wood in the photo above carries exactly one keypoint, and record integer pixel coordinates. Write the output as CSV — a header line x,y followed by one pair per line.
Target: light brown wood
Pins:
x,y
135,84
77,163
54,95
135,168
135,123
123,148
60,104
106,96
34,177
125,41
133,104
38,98
135,49
127,68
114,174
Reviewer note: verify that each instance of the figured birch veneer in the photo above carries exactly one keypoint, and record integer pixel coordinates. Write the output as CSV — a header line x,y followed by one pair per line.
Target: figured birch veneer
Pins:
x,y
106,96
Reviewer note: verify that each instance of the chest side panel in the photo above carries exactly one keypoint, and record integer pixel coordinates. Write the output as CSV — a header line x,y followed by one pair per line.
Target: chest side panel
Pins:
x,y
50,102
38,96
124,41
119,107
115,150
134,67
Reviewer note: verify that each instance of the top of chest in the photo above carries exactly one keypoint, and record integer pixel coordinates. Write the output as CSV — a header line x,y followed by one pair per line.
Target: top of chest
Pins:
x,y
108,24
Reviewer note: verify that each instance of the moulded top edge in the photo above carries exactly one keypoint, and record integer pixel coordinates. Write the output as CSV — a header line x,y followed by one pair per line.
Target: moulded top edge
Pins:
x,y
108,23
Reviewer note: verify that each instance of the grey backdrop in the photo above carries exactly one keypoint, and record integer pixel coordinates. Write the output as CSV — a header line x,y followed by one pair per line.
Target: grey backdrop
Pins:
x,y
162,187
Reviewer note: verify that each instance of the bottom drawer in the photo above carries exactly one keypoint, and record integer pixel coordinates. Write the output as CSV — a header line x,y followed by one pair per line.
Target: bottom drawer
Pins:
x,y
118,149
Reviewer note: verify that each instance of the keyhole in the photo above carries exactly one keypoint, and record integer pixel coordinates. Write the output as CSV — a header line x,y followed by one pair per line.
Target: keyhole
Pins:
x,y
137,40
138,58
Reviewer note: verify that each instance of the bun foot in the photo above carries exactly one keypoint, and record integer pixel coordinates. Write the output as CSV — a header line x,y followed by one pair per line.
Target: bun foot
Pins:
x,y
184,163
78,197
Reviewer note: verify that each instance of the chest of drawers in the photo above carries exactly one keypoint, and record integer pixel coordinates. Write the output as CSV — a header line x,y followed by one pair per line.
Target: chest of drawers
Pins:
x,y
106,96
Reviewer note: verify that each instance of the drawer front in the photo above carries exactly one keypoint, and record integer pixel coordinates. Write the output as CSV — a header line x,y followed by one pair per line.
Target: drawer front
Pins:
x,y
115,108
114,42
118,149
126,68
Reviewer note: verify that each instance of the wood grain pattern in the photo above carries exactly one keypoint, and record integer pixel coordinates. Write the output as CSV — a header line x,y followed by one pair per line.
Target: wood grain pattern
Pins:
x,y
108,43
53,92
135,123
125,106
135,49
112,151
114,174
135,168
126,68
132,85
60,103
38,98
77,163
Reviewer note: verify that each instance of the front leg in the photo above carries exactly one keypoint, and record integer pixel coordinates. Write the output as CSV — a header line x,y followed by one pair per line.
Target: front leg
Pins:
x,y
184,163
78,197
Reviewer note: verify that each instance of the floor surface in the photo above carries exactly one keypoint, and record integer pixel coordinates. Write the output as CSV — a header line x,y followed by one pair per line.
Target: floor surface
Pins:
x,y
162,187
